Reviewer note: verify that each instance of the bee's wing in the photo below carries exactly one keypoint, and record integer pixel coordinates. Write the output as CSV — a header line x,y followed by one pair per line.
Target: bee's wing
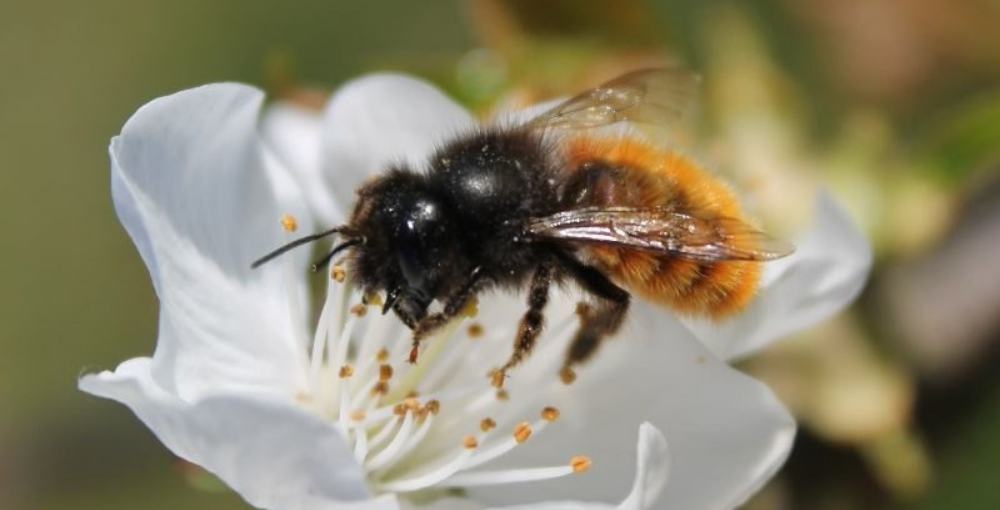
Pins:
x,y
662,230
657,96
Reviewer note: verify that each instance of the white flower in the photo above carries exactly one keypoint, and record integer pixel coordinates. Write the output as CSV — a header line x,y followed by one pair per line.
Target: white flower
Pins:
x,y
311,415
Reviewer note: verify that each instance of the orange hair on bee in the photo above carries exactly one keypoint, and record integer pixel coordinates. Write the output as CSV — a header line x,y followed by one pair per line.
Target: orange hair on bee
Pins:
x,y
654,177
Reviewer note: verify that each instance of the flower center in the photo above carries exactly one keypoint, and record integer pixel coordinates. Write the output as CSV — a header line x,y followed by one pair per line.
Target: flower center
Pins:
x,y
433,424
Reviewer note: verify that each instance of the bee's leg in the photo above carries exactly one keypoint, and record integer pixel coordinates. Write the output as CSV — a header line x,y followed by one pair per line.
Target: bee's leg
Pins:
x,y
533,321
452,306
597,321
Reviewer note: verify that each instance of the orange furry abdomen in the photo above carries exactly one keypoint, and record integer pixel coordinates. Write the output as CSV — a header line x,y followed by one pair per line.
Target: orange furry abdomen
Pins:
x,y
646,176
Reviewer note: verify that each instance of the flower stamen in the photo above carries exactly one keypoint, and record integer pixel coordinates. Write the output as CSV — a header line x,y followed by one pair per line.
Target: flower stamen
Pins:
x,y
580,463
338,273
432,477
487,424
550,414
470,441
522,431
391,451
384,372
577,464
289,223
394,434
475,330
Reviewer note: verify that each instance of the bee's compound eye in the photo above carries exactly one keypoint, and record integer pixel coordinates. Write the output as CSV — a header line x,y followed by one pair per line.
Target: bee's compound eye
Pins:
x,y
424,239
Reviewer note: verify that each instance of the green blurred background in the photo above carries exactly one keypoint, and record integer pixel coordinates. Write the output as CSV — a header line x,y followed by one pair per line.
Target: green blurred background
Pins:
x,y
893,104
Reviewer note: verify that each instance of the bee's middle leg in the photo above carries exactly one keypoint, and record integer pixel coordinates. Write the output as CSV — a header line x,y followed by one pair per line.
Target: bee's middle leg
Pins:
x,y
597,321
533,321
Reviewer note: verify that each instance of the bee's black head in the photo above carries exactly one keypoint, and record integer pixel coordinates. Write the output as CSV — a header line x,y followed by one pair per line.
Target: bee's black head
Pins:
x,y
411,249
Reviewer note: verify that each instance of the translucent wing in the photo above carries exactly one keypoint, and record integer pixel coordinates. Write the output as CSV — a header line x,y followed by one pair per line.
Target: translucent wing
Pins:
x,y
664,231
651,96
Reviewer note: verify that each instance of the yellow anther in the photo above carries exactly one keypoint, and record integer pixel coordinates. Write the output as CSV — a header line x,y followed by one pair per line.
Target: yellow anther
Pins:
x,y
289,223
475,330
359,309
550,414
346,371
522,431
384,372
433,406
502,395
470,441
487,424
580,463
380,388
358,414
338,273
567,375
497,378
382,355
412,404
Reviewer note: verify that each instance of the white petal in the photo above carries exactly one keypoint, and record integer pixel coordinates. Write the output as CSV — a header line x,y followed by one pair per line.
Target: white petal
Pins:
x,y
294,135
728,433
382,119
201,199
443,504
274,454
826,273
651,471
194,158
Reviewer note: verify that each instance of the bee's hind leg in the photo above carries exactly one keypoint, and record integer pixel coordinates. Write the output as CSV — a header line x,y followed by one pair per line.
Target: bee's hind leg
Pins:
x,y
597,321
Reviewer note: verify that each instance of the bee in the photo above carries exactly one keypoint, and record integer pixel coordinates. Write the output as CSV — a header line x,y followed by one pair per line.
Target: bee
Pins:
x,y
551,200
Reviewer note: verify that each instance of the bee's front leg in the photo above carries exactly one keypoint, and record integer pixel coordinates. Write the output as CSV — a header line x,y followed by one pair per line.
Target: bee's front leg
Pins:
x,y
453,304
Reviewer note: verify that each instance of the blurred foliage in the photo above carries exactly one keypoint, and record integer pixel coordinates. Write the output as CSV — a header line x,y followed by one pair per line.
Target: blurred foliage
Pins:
x,y
966,141
892,104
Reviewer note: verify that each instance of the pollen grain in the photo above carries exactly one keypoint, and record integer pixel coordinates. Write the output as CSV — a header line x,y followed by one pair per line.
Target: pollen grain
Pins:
x,y
550,414
487,424
289,223
380,388
433,406
497,377
384,372
522,431
580,463
567,375
475,330
338,273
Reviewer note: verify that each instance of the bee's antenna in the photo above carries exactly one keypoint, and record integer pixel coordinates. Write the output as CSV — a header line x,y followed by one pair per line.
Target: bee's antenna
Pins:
x,y
339,248
296,243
